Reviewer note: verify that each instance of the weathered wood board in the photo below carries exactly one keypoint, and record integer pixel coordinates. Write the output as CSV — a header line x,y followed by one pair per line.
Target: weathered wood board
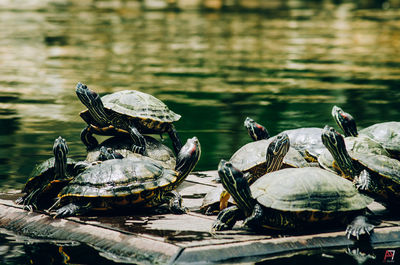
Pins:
x,y
158,237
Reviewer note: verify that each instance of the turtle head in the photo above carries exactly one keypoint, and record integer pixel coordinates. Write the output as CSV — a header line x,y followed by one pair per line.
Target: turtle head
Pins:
x,y
345,121
235,183
276,151
92,101
60,150
188,157
255,130
334,142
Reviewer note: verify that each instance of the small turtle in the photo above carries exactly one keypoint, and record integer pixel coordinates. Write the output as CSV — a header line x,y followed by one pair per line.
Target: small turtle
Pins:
x,y
307,141
126,112
127,182
58,170
292,200
375,175
386,133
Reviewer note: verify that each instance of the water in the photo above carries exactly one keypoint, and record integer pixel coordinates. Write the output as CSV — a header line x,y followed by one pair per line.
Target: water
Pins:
x,y
284,66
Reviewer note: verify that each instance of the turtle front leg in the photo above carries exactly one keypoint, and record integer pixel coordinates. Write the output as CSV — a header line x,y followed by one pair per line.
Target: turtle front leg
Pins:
x,y
139,145
176,141
360,226
227,218
88,139
256,218
72,209
175,202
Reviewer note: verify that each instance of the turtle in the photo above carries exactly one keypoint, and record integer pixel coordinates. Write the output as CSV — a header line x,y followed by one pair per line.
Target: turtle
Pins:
x,y
375,175
307,141
128,182
361,144
251,158
120,148
126,112
386,133
293,200
275,150
57,170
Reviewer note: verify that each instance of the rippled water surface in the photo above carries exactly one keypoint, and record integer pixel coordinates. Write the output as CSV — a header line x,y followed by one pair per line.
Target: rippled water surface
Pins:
x,y
285,66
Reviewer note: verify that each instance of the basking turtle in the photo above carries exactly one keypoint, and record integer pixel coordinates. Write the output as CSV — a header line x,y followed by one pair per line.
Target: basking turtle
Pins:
x,y
119,146
307,141
128,182
361,144
58,170
251,158
273,151
376,175
126,112
386,133
293,199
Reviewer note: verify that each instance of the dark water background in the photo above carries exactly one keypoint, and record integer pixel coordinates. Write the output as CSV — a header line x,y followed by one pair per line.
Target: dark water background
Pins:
x,y
285,65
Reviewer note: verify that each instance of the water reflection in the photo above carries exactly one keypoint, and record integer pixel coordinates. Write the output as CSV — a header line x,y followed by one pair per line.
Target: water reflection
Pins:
x,y
285,67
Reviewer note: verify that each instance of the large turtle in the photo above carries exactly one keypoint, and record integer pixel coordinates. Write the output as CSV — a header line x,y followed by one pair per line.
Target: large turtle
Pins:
x,y
307,141
126,112
293,199
128,182
376,175
58,170
386,133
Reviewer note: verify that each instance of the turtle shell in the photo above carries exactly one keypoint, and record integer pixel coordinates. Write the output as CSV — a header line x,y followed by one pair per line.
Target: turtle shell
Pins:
x,y
120,182
356,145
307,189
154,149
306,139
138,104
387,134
380,164
251,158
43,174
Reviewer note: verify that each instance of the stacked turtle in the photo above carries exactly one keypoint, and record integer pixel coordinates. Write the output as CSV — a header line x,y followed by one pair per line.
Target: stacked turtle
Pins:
x,y
127,170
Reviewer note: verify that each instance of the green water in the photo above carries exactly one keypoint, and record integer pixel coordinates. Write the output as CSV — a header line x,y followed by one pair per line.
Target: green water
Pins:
x,y
284,66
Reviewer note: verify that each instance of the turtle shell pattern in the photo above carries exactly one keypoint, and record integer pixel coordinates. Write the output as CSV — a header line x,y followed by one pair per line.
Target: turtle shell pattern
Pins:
x,y
387,134
119,182
309,139
307,189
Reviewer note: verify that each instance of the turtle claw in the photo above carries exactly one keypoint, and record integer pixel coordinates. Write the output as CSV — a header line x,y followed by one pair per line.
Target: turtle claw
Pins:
x,y
362,182
218,225
359,227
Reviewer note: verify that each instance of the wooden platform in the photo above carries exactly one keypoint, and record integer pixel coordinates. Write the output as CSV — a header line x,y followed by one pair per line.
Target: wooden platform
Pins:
x,y
162,238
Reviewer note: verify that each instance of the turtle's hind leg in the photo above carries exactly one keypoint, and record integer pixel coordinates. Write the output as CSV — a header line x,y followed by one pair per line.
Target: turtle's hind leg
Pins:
x,y
72,209
139,145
